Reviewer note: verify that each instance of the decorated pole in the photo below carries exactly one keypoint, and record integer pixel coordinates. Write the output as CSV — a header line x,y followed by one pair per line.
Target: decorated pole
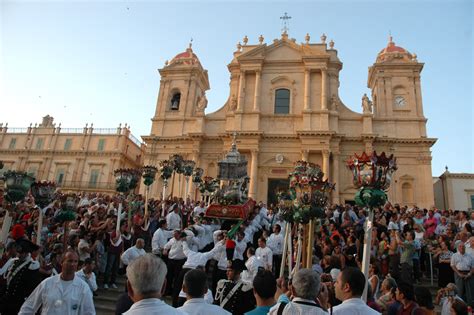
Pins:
x,y
372,175
166,169
188,168
135,179
16,186
124,180
149,173
285,249
303,203
177,165
43,193
68,213
197,179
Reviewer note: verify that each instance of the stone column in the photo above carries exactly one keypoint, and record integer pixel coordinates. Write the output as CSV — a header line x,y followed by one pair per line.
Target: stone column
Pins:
x,y
240,101
307,79
305,155
325,163
324,86
253,175
419,102
335,177
256,97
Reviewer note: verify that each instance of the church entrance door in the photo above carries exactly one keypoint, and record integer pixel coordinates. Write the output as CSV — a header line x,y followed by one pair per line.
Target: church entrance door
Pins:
x,y
276,185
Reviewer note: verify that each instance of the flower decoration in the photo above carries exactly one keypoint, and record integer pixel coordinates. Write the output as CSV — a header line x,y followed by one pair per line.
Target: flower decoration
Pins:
x,y
197,175
307,194
188,167
43,192
17,185
166,169
149,173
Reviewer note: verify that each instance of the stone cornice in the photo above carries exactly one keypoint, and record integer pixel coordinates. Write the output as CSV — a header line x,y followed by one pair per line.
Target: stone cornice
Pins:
x,y
457,175
303,133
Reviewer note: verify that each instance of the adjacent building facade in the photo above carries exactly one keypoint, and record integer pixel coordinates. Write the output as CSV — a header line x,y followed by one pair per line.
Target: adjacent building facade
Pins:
x,y
454,191
284,105
75,158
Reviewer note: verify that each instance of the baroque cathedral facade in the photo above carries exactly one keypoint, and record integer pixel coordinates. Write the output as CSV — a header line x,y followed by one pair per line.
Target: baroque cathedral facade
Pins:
x,y
284,106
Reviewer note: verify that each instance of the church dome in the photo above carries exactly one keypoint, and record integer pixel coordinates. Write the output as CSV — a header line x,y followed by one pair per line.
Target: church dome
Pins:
x,y
392,52
187,57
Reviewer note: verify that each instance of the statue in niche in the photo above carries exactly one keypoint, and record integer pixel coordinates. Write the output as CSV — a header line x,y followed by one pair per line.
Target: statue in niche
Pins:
x,y
334,102
175,101
233,103
366,104
202,103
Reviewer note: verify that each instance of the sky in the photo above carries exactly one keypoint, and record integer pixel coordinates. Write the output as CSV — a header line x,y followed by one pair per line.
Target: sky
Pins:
x,y
96,62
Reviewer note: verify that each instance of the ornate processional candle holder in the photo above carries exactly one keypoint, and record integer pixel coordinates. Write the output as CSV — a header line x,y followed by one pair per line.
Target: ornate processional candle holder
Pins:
x,y
372,175
43,192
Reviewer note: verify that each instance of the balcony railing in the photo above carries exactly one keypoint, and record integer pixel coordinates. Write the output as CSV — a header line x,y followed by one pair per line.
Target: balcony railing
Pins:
x,y
134,140
86,185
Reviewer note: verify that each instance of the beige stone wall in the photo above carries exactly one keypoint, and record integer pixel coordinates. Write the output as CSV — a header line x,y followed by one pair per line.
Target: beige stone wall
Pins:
x,y
80,158
455,189
319,127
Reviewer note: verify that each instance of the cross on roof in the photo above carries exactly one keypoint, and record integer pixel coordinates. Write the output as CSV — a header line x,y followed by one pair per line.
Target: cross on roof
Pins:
x,y
285,19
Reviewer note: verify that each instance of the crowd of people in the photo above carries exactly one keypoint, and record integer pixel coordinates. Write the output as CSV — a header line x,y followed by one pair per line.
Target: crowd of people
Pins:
x,y
201,265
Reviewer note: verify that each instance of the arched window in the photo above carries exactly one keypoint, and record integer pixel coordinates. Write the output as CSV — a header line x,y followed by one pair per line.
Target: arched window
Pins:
x,y
407,193
282,101
175,101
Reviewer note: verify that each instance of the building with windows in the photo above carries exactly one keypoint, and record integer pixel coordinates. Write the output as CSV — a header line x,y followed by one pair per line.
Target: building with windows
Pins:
x,y
284,105
454,191
74,158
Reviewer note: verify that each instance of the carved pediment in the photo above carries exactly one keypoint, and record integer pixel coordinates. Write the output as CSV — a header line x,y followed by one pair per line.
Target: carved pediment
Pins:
x,y
280,50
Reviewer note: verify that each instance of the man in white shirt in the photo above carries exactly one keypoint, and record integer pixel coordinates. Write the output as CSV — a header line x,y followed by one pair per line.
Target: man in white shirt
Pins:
x,y
264,253
349,288
200,208
240,246
463,266
275,243
87,274
84,247
160,238
195,286
133,252
145,281
61,294
305,289
173,219
176,258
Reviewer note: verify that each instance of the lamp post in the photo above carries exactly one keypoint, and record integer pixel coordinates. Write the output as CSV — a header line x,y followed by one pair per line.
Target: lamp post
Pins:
x,y
149,173
188,168
43,193
166,170
16,186
372,174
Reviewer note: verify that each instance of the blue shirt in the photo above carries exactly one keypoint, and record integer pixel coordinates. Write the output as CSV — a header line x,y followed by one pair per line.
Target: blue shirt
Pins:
x,y
260,310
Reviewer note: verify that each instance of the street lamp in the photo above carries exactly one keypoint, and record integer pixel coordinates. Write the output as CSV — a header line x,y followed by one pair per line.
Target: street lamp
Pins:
x,y
44,194
372,174
149,173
